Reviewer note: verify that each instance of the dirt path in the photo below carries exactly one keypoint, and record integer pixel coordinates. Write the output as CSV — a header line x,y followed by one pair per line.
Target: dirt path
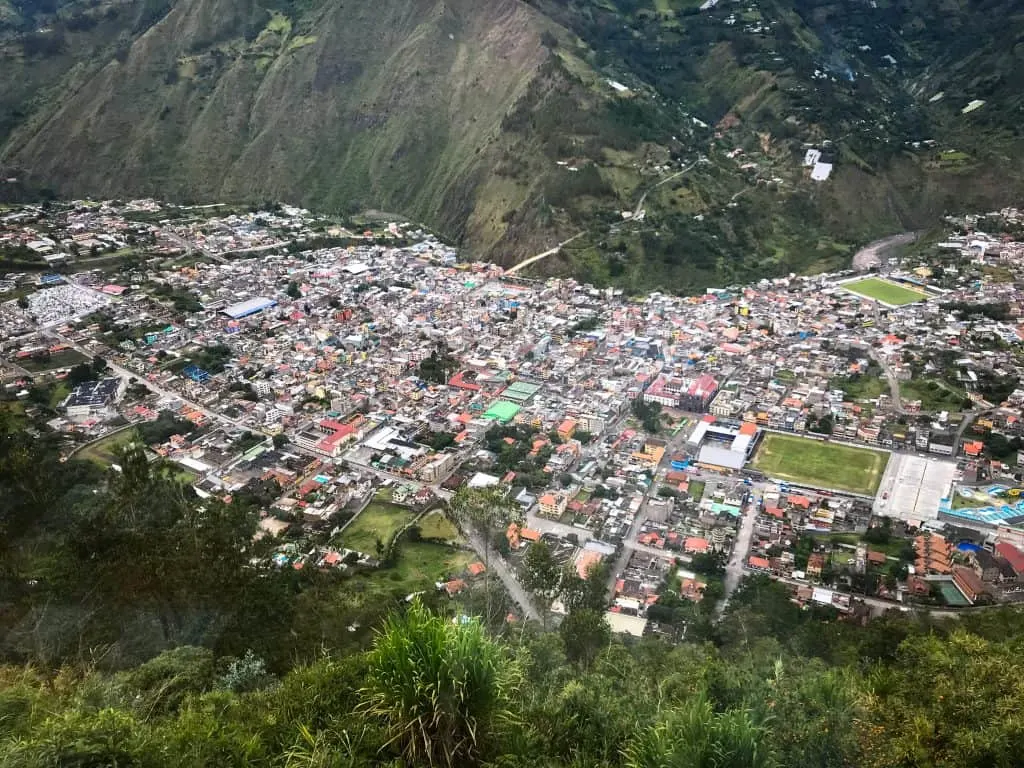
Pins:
x,y
876,254
539,256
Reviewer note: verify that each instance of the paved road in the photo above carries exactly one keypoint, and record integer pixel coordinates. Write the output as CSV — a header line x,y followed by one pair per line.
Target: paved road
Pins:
x,y
627,551
503,571
890,377
190,247
550,252
544,525
152,387
734,571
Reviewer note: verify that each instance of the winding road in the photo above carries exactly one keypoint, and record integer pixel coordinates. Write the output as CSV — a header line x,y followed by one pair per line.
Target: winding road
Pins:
x,y
666,180
544,255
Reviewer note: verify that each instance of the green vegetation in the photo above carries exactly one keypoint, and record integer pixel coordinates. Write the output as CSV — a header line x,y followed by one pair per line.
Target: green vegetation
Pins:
x,y
861,388
976,500
885,291
436,526
311,668
649,414
696,489
422,564
105,451
44,361
488,176
438,366
935,395
375,527
821,464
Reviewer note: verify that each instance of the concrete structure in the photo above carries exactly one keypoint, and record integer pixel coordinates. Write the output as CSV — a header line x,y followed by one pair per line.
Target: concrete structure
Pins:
x,y
722,444
913,487
249,307
93,399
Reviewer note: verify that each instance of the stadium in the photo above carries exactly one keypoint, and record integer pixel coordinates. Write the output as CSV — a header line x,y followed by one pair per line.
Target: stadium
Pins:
x,y
723,444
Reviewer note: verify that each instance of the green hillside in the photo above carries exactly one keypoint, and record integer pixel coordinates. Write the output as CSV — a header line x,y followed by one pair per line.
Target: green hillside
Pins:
x,y
509,126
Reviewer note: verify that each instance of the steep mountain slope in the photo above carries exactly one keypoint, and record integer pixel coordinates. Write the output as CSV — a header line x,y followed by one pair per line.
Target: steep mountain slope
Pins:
x,y
336,105
510,125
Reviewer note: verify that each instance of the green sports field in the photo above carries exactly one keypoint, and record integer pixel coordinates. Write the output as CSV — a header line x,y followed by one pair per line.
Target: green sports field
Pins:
x,y
885,291
821,464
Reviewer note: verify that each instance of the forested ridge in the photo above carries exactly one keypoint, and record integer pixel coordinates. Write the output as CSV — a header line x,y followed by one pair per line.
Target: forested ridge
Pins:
x,y
136,631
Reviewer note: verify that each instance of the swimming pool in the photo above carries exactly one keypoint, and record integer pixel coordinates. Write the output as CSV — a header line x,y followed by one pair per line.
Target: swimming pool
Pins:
x,y
952,595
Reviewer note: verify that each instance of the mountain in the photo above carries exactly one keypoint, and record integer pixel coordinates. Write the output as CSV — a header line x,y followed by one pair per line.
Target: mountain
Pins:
x,y
509,126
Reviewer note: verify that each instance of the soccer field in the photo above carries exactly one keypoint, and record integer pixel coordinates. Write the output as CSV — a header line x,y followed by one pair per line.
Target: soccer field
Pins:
x,y
821,464
885,291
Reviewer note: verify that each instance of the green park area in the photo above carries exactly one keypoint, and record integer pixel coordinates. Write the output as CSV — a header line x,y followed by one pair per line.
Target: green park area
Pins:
x,y
821,464
104,451
379,521
860,389
438,527
422,563
65,358
935,395
885,291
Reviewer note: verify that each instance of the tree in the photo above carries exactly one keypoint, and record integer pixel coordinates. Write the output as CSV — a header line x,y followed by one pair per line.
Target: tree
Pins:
x,y
280,440
293,290
540,575
148,544
483,510
649,414
585,633
79,375
438,366
441,690
580,593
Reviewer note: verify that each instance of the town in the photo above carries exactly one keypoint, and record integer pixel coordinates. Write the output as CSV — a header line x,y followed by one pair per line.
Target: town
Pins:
x,y
856,436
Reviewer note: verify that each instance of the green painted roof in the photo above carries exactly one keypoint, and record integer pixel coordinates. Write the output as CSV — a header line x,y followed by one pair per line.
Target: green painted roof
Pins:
x,y
502,410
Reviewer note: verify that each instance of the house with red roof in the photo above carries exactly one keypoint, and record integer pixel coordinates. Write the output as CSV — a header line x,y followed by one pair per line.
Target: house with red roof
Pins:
x,y
1012,556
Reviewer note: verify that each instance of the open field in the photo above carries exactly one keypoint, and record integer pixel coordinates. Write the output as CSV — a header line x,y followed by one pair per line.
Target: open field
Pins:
x,y
378,521
418,567
103,452
885,291
66,358
421,564
817,463
934,394
696,489
437,526
861,388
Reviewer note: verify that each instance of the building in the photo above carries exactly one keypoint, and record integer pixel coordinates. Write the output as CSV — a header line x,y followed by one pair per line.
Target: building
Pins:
x,y
652,453
1013,557
250,307
567,428
93,399
327,437
438,467
552,504
721,444
699,393
968,582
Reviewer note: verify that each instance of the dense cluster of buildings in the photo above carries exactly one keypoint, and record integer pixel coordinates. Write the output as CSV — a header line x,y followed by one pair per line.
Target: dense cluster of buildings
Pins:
x,y
369,360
